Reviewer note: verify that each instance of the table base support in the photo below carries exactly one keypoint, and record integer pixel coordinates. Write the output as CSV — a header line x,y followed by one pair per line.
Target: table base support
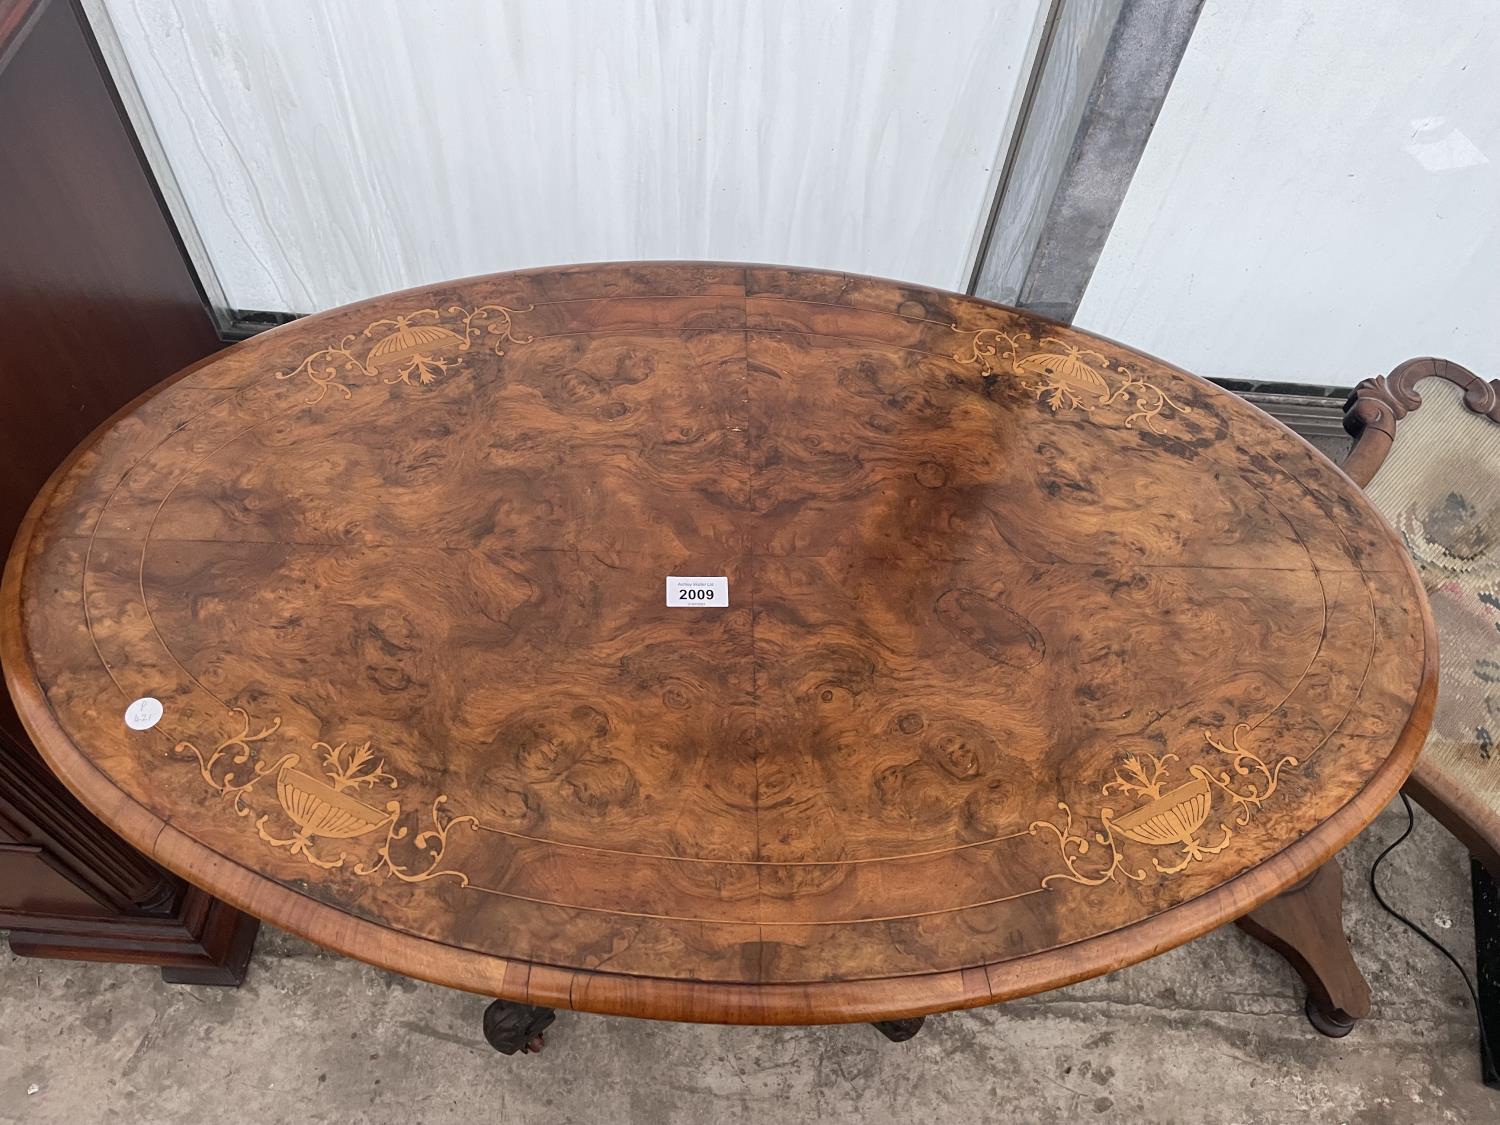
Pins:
x,y
899,1031
511,1027
1306,926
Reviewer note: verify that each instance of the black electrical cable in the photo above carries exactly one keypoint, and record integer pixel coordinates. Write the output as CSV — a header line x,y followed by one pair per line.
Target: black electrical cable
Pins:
x,y
1411,823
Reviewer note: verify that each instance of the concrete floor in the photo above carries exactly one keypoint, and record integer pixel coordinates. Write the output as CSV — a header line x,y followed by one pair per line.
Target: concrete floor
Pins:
x,y
1212,1032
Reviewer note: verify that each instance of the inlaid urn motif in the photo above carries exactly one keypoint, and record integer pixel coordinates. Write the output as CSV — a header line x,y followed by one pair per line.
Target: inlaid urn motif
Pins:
x,y
412,350
319,809
1165,818
416,348
325,806
1173,818
1067,375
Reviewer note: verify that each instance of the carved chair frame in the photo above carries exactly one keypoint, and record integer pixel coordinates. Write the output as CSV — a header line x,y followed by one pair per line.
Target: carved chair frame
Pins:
x,y
1371,416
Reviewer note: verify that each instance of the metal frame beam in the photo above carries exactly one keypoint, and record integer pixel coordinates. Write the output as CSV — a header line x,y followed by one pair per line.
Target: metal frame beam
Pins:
x,y
1102,74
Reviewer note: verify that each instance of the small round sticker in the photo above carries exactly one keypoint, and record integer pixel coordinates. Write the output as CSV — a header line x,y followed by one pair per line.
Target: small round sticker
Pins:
x,y
143,714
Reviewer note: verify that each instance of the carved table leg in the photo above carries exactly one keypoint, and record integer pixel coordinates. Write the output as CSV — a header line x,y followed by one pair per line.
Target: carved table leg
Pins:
x,y
899,1031
511,1027
1306,926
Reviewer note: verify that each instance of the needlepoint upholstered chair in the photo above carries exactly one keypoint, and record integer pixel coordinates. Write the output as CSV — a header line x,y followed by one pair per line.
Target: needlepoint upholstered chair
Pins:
x,y
1427,452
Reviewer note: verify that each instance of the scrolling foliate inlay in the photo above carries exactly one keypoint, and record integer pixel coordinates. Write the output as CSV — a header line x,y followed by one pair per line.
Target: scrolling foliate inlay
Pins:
x,y
1067,377
1163,817
326,802
416,348
332,801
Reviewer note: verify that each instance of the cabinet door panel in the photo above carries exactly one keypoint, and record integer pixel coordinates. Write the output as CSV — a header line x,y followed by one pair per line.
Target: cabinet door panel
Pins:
x,y
36,886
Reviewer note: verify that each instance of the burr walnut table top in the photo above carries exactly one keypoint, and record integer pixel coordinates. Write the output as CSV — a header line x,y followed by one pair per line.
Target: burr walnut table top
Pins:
x,y
1041,656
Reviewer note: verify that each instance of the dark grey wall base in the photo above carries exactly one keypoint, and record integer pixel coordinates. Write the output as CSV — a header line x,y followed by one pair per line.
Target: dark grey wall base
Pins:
x,y
240,324
1315,412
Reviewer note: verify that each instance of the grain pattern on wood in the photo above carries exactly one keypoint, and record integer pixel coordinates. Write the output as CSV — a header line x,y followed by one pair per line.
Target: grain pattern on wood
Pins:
x,y
1041,656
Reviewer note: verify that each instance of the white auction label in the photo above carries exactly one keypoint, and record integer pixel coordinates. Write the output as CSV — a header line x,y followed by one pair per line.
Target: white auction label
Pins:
x,y
697,592
143,714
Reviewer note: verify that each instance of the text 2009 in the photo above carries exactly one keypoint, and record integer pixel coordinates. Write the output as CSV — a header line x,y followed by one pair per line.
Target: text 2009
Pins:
x,y
695,594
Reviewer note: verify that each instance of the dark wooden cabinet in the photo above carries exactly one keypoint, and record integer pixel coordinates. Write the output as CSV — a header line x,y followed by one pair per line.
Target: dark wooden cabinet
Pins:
x,y
97,303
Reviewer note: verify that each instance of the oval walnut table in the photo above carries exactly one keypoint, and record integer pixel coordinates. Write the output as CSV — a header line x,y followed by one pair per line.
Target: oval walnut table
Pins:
x,y
1040,657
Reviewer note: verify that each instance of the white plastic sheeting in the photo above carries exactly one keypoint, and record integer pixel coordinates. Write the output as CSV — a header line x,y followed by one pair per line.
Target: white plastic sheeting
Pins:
x,y
332,150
